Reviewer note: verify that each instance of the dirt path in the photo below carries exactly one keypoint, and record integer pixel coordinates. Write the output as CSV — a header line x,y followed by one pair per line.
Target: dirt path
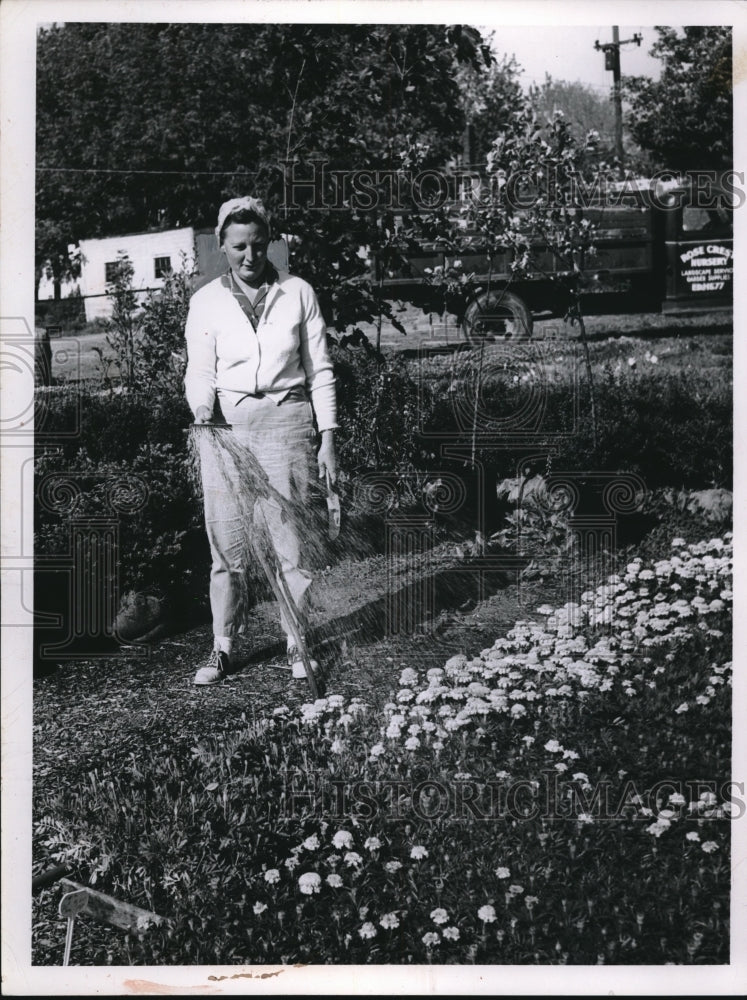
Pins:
x,y
370,618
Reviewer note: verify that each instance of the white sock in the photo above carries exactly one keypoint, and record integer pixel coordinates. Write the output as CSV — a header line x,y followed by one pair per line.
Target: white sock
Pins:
x,y
224,644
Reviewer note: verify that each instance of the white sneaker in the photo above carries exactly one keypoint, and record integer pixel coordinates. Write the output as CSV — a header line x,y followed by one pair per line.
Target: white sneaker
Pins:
x,y
215,670
298,670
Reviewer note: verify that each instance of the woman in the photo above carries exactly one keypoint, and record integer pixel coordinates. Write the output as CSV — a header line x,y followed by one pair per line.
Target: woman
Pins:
x,y
256,344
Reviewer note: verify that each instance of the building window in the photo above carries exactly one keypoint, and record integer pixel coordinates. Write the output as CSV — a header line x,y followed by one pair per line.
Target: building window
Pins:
x,y
111,268
162,266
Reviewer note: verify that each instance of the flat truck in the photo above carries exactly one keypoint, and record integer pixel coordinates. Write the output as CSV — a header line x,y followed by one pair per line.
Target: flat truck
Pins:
x,y
667,254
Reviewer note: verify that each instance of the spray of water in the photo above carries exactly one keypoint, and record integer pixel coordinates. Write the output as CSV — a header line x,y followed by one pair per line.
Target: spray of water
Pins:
x,y
255,498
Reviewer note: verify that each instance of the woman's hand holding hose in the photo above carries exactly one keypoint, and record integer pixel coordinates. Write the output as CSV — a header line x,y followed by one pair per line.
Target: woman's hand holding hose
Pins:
x,y
203,415
327,457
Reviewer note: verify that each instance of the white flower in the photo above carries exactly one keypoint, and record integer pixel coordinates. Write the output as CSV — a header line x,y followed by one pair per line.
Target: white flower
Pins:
x,y
372,844
418,852
311,843
516,890
377,750
412,743
656,829
553,746
389,921
309,883
291,863
486,914
429,939
367,930
259,908
342,839
272,875
439,915
503,872
451,933
677,799
684,707
333,880
392,866
709,846
353,859
692,835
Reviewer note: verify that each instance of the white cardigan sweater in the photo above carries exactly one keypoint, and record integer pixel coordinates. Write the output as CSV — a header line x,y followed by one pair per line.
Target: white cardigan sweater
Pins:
x,y
289,348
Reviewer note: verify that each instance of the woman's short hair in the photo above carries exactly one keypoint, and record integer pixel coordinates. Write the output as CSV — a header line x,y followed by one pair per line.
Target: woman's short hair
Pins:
x,y
242,210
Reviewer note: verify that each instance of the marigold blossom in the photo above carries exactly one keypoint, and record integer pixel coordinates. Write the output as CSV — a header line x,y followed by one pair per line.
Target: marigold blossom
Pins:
x,y
309,883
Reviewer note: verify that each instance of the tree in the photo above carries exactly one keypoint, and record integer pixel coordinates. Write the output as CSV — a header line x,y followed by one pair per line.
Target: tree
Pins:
x,y
147,126
488,98
685,118
584,110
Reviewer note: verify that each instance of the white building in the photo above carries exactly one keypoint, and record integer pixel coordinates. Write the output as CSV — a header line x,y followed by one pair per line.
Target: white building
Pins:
x,y
152,256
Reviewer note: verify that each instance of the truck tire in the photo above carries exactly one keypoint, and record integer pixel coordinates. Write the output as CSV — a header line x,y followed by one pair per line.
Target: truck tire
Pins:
x,y
497,314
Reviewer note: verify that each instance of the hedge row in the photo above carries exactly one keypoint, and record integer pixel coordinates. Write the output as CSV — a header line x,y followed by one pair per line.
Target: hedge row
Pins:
x,y
673,430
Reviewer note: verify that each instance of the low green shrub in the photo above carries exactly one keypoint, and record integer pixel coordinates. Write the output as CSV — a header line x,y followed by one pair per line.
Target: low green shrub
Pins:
x,y
670,428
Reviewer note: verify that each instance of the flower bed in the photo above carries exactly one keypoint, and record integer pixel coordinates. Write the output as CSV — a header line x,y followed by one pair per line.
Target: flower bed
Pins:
x,y
562,797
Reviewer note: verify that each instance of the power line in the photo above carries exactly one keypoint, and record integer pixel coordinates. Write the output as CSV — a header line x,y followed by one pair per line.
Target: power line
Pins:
x,y
167,173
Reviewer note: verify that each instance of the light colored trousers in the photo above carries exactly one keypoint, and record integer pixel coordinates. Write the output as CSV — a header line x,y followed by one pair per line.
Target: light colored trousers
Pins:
x,y
281,438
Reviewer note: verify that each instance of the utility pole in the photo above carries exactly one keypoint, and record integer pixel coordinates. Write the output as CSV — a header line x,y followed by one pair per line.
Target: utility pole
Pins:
x,y
612,62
